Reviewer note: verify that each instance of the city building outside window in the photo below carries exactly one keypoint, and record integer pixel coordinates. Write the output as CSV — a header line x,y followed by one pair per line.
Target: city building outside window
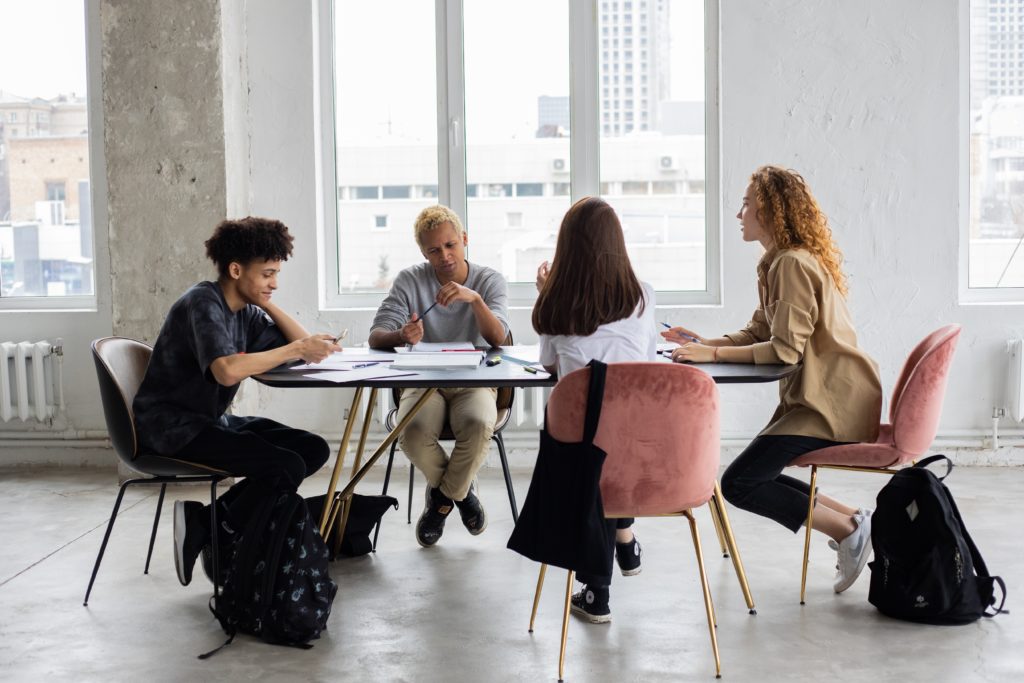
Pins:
x,y
493,136
992,243
46,218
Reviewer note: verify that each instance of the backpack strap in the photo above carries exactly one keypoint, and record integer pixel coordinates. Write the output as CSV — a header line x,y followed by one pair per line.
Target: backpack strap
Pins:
x,y
225,625
595,398
979,564
936,458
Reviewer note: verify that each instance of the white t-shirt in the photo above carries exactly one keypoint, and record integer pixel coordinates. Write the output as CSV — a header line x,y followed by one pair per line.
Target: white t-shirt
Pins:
x,y
631,339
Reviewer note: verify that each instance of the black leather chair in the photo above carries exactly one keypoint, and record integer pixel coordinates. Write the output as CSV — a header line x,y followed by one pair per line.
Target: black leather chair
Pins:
x,y
120,366
505,399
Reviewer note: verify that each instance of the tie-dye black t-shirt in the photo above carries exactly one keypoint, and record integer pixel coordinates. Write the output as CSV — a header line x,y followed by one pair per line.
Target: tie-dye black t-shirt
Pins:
x,y
179,395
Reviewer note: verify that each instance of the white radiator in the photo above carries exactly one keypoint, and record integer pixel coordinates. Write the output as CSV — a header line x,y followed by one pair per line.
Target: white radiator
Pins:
x,y
1015,380
30,380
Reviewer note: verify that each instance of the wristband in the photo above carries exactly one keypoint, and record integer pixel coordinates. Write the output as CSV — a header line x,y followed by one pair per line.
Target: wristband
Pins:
x,y
715,354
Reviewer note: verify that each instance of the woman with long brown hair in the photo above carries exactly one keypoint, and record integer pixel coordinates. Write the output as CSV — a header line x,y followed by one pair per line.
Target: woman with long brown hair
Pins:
x,y
835,397
592,307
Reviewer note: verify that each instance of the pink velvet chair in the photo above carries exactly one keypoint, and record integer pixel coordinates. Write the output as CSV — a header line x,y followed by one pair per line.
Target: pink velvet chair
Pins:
x,y
659,427
914,413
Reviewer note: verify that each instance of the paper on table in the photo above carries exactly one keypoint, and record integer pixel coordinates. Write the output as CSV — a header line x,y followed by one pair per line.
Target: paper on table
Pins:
x,y
438,361
346,376
343,360
438,347
528,354
667,346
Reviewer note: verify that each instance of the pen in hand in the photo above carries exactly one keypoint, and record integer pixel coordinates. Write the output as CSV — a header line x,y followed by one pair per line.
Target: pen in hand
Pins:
x,y
683,334
344,333
429,308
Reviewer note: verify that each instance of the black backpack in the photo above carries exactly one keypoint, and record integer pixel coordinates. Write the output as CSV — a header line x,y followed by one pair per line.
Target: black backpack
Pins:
x,y
926,567
276,585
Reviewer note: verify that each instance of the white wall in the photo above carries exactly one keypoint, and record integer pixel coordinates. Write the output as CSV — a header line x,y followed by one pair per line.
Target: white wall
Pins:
x,y
862,98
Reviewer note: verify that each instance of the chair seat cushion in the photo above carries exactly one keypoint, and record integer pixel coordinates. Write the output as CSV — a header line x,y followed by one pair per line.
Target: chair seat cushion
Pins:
x,y
881,453
163,466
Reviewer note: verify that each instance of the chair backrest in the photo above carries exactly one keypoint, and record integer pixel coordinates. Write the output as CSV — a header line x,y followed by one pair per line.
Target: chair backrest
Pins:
x,y
916,404
659,427
120,366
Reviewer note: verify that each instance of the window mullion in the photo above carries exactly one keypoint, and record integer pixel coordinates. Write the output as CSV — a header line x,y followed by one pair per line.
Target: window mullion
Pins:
x,y
451,107
584,141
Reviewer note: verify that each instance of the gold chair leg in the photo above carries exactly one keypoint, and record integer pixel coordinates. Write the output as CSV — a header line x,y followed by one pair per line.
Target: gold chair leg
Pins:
x,y
565,626
339,463
734,549
716,518
807,536
536,595
708,605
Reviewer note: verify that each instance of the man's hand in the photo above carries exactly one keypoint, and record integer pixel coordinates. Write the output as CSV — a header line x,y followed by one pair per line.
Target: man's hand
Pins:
x,y
453,292
412,331
543,270
316,348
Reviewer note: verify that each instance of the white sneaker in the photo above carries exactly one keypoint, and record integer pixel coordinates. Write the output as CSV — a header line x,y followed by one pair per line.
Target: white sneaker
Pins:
x,y
853,552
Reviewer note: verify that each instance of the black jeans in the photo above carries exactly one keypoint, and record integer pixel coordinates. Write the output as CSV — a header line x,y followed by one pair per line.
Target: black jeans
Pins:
x,y
611,525
258,449
754,481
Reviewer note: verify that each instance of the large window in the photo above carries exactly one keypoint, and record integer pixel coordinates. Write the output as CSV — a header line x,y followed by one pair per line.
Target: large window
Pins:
x,y
992,249
508,113
46,233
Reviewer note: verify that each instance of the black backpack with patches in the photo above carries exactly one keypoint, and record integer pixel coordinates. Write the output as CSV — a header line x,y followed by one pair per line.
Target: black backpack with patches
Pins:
x,y
926,567
277,585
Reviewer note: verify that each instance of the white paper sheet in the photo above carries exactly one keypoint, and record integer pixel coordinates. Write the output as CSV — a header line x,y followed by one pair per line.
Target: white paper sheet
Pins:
x,y
345,360
439,361
441,347
346,376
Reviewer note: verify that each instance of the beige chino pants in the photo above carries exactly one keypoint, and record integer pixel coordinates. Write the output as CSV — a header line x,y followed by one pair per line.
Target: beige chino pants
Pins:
x,y
471,414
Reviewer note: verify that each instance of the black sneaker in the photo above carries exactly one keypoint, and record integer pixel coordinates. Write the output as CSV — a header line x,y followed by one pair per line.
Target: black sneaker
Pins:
x,y
628,556
190,535
472,512
430,525
591,604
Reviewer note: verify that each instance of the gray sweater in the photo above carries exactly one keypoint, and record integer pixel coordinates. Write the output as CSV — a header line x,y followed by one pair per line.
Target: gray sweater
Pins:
x,y
415,289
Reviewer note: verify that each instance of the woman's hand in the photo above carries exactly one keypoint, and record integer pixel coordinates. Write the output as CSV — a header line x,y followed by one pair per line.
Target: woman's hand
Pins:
x,y
543,270
694,353
681,335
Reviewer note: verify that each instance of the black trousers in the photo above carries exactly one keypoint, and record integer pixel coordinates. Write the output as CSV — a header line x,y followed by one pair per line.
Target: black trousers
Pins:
x,y
611,525
754,481
259,450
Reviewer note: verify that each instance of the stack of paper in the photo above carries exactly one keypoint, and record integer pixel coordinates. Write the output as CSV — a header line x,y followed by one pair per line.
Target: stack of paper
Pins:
x,y
466,360
442,347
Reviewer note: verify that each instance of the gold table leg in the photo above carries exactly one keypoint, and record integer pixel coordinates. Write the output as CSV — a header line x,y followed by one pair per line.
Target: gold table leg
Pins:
x,y
339,464
358,461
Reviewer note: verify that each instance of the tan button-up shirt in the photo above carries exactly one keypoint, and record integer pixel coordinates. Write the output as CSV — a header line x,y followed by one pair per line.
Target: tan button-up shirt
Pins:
x,y
802,318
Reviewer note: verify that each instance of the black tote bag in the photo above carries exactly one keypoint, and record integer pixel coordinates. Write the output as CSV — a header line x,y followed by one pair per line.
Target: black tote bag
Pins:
x,y
562,521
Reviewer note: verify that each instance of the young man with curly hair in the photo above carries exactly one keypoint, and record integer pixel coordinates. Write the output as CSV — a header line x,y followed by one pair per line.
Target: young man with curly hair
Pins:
x,y
216,335
473,307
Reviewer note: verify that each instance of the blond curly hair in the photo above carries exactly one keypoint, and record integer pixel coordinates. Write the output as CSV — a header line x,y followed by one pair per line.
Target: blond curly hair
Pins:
x,y
435,216
788,210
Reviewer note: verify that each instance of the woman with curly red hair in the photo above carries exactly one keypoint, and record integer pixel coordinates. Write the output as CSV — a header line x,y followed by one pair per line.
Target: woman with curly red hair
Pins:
x,y
835,397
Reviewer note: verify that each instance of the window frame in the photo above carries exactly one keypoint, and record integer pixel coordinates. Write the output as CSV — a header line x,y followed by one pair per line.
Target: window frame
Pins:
x,y
584,143
97,178
971,295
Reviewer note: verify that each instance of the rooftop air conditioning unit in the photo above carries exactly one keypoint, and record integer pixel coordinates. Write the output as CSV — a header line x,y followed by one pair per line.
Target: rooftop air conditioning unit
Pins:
x,y
560,165
668,163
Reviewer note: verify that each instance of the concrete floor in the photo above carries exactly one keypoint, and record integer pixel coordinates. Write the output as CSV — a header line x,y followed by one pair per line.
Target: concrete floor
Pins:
x,y
459,612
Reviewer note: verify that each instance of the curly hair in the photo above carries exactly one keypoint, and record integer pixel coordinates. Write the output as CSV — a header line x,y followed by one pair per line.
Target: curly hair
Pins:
x,y
246,240
435,216
788,210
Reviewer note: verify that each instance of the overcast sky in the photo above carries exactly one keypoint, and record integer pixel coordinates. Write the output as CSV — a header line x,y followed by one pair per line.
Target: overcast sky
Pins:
x,y
42,47
514,52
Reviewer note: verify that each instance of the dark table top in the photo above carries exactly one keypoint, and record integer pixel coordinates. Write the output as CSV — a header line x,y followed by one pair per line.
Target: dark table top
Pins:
x,y
508,374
